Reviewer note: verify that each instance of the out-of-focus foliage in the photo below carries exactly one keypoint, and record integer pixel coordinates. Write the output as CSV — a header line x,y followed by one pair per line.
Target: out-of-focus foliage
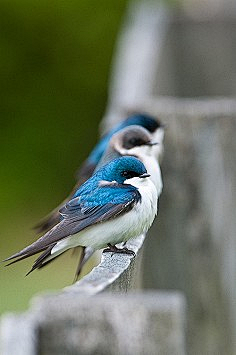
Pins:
x,y
54,66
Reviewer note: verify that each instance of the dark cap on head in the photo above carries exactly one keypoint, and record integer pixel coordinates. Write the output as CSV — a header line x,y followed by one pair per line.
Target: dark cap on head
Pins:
x,y
144,120
132,136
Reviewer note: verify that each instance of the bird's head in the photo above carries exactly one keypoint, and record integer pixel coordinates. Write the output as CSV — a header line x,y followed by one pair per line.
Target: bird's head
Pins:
x,y
123,169
133,140
153,126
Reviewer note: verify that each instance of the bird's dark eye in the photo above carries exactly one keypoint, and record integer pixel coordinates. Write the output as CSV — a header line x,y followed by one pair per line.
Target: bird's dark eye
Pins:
x,y
134,142
131,141
125,173
129,174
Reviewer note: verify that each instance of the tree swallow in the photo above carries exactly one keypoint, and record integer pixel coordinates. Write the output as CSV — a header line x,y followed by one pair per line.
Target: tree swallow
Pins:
x,y
138,142
154,128
134,141
117,203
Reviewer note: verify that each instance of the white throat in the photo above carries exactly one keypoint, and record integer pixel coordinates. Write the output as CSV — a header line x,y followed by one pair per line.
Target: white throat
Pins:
x,y
139,182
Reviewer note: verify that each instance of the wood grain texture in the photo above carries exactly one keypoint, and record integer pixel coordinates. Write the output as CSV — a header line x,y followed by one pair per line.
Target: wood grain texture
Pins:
x,y
194,238
150,323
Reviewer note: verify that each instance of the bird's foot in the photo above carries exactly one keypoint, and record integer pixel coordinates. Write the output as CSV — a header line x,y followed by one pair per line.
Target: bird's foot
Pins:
x,y
114,249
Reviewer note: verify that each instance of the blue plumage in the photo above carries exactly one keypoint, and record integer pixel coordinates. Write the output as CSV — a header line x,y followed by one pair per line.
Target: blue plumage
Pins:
x,y
91,163
94,193
106,209
106,194
105,197
142,120
114,171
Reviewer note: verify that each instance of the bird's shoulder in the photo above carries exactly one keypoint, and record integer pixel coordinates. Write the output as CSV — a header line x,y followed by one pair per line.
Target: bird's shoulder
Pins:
x,y
104,195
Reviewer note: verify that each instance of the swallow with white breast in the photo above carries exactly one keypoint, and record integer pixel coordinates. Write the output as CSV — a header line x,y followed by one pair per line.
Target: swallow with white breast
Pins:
x,y
117,203
132,141
138,142
154,127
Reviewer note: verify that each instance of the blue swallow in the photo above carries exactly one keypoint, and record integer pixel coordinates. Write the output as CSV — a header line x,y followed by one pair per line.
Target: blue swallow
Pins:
x,y
154,128
149,123
138,142
133,141
117,203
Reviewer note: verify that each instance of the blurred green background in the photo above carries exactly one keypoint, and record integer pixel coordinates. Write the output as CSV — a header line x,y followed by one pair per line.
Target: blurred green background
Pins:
x,y
54,67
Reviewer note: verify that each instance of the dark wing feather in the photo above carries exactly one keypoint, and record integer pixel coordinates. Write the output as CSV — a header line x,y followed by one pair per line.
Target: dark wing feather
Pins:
x,y
49,221
42,261
76,218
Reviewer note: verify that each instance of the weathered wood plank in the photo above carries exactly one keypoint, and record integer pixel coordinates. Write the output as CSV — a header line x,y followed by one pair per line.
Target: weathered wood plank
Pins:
x,y
194,240
17,334
115,272
150,323
70,323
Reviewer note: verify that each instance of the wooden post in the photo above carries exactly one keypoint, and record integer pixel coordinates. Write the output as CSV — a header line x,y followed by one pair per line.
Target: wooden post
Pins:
x,y
194,236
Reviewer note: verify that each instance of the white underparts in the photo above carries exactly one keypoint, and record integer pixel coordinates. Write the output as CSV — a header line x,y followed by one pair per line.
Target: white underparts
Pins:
x,y
119,229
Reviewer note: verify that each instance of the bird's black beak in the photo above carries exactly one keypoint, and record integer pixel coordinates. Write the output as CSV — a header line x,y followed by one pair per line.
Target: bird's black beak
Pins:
x,y
151,143
144,175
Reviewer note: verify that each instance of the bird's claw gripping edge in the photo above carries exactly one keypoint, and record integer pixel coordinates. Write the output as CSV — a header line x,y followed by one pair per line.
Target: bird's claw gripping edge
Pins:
x,y
114,249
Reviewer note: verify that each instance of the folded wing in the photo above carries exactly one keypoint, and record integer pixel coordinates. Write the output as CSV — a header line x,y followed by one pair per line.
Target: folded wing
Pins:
x,y
79,214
